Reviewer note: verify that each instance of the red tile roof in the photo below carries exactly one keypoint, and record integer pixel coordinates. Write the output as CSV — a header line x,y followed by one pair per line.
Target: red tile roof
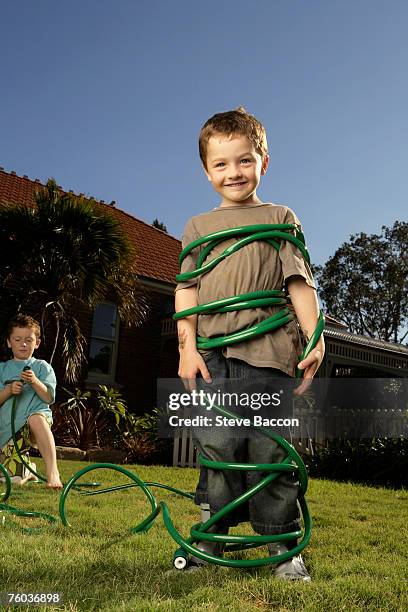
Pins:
x,y
156,251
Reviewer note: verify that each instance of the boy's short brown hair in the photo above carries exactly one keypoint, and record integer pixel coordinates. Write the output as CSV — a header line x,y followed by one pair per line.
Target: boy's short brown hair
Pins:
x,y
237,121
22,320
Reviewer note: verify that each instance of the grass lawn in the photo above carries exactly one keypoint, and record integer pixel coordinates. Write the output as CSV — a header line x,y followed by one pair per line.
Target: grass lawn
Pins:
x,y
358,556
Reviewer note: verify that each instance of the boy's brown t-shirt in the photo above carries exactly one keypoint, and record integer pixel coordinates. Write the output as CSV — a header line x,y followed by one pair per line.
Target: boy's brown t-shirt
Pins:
x,y
255,267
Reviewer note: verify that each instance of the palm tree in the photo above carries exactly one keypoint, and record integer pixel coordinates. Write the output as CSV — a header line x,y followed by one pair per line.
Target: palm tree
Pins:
x,y
62,251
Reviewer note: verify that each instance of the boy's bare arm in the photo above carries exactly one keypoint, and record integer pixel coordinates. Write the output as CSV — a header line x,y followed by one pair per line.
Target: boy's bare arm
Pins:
x,y
41,390
191,362
307,310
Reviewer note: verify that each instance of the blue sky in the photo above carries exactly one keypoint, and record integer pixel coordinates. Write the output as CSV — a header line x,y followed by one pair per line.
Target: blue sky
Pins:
x,y
109,96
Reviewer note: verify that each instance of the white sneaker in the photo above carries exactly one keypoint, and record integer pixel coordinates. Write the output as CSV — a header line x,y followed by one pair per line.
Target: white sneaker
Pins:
x,y
292,569
212,548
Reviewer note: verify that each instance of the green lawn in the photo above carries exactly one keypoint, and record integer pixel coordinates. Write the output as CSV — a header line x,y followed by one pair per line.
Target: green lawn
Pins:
x,y
358,555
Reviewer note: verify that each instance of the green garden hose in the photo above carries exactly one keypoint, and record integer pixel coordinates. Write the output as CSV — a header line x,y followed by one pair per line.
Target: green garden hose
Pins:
x,y
6,494
292,463
273,234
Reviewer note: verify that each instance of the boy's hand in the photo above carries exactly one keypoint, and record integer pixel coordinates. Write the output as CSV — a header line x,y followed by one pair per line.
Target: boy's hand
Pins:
x,y
191,363
28,376
310,365
16,387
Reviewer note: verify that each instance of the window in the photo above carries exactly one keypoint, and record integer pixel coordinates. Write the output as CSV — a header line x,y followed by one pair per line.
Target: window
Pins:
x,y
104,343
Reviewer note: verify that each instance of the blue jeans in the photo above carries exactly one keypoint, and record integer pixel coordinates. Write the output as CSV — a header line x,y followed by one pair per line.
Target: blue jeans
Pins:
x,y
273,510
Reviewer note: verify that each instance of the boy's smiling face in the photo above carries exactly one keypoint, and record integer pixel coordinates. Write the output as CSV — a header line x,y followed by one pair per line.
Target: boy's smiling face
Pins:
x,y
23,342
234,168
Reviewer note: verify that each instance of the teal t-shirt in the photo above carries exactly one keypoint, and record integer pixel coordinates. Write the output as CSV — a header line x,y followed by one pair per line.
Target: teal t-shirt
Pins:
x,y
28,401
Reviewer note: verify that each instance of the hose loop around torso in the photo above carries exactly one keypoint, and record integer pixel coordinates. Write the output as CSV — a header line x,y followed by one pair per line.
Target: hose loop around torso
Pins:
x,y
271,233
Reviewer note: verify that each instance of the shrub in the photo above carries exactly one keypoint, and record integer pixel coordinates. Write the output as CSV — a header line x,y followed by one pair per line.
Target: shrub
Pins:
x,y
142,442
102,420
89,421
379,461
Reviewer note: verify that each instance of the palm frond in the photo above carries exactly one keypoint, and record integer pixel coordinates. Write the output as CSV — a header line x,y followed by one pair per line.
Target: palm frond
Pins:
x,y
129,295
73,348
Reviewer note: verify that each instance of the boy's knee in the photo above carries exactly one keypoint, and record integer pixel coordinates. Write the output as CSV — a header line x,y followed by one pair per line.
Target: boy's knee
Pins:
x,y
37,419
35,423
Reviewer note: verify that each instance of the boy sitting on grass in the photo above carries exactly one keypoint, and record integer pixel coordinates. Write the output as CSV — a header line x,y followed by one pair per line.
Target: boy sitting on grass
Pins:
x,y
35,388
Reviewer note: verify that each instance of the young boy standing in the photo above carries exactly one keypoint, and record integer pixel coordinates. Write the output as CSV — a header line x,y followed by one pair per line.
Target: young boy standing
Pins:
x,y
35,389
233,151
